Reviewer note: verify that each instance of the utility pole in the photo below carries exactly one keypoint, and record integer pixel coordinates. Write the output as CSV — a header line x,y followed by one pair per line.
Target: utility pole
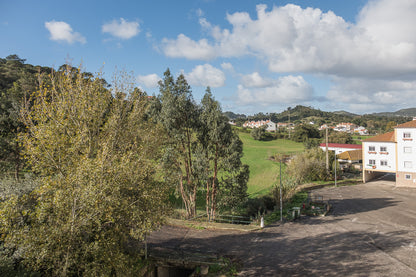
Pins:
x,y
289,124
326,149
281,206
335,169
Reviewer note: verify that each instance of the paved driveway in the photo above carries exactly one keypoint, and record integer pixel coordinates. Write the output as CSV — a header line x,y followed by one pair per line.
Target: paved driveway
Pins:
x,y
371,231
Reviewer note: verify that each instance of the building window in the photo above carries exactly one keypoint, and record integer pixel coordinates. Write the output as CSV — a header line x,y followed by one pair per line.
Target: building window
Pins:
x,y
408,176
407,149
383,163
407,164
372,162
407,135
371,148
383,148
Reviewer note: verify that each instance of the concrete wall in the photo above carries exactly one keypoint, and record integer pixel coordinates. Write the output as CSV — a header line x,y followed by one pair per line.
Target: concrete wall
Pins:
x,y
401,180
370,175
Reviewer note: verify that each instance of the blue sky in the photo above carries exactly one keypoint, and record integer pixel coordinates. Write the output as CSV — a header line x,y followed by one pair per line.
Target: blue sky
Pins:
x,y
257,56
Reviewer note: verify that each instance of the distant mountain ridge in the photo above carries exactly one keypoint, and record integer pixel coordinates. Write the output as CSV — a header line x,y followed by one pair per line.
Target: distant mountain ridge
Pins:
x,y
410,112
303,111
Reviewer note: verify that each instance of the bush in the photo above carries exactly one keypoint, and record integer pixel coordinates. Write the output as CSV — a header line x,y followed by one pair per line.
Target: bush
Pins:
x,y
310,166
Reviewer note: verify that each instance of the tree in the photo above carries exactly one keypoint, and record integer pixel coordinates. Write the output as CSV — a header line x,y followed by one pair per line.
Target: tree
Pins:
x,y
16,80
223,151
340,137
202,151
258,133
96,158
177,112
304,132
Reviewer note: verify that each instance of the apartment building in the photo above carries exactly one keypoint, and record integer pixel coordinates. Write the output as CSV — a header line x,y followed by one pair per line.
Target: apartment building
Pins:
x,y
393,152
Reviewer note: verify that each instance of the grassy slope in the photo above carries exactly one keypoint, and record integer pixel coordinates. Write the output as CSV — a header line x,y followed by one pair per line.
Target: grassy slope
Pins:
x,y
263,171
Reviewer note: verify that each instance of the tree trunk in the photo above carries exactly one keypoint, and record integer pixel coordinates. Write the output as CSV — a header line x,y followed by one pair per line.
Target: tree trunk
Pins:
x,y
207,200
214,184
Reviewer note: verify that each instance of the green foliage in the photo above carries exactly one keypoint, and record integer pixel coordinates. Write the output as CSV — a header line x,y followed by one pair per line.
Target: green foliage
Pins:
x,y
296,200
303,132
309,166
340,137
96,158
257,133
263,169
202,152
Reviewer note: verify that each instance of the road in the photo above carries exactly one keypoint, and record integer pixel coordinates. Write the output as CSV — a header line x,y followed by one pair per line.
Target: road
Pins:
x,y
370,231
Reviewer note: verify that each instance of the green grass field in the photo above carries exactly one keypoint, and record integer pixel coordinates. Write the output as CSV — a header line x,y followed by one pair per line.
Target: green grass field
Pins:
x,y
263,171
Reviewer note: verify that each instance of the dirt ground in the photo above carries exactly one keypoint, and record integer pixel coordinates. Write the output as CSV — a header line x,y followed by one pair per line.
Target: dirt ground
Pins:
x,y
370,231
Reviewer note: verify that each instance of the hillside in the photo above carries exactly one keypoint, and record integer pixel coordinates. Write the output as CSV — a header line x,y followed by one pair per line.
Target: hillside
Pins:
x,y
410,112
263,171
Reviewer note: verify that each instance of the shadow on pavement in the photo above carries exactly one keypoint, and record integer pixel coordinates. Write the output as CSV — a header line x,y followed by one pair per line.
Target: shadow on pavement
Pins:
x,y
359,205
273,254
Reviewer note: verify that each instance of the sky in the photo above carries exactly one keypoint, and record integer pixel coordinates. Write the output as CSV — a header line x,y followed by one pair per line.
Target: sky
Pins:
x,y
256,56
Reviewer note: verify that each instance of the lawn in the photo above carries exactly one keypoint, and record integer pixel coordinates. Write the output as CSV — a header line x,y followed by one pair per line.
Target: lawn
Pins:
x,y
263,171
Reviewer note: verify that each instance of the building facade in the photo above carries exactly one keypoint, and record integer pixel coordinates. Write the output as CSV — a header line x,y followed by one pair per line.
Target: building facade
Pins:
x,y
393,152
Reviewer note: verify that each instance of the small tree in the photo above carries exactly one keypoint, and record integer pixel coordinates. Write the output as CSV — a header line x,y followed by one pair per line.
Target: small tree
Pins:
x,y
258,133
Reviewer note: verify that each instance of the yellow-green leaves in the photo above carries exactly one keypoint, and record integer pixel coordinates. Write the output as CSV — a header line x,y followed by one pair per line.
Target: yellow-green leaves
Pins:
x,y
95,155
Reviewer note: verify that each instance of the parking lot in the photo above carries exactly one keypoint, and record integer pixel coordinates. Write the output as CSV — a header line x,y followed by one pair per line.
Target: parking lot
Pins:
x,y
370,231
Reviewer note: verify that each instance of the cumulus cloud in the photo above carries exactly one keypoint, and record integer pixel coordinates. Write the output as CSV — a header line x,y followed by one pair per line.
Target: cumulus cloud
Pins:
x,y
371,62
206,75
292,39
62,31
286,89
361,95
227,66
183,46
121,28
254,80
150,81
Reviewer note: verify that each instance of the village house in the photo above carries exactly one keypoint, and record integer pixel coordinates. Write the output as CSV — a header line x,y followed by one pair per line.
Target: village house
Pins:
x,y
270,125
392,152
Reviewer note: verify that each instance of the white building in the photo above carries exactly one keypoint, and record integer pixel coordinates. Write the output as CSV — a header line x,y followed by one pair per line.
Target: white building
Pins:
x,y
340,147
392,152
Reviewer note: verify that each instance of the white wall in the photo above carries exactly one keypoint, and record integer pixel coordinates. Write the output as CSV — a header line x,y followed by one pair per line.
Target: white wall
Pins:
x,y
401,144
378,156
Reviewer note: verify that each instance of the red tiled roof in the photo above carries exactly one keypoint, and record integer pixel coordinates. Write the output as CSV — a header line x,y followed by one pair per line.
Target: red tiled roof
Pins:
x,y
342,145
410,124
387,137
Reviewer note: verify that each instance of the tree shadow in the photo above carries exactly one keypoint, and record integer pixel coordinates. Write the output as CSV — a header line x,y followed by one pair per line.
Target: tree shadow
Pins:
x,y
272,253
341,207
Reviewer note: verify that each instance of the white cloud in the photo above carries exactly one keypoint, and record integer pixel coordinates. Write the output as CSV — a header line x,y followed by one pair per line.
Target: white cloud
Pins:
x,y
254,80
227,66
185,47
362,95
371,62
288,89
206,75
122,28
292,39
150,81
62,31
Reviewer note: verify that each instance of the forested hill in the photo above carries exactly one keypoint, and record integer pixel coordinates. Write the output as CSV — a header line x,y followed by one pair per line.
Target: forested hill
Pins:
x,y
306,114
411,112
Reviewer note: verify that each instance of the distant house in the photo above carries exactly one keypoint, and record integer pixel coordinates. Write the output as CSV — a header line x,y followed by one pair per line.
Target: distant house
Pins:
x,y
352,157
361,131
270,125
345,127
284,125
340,147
